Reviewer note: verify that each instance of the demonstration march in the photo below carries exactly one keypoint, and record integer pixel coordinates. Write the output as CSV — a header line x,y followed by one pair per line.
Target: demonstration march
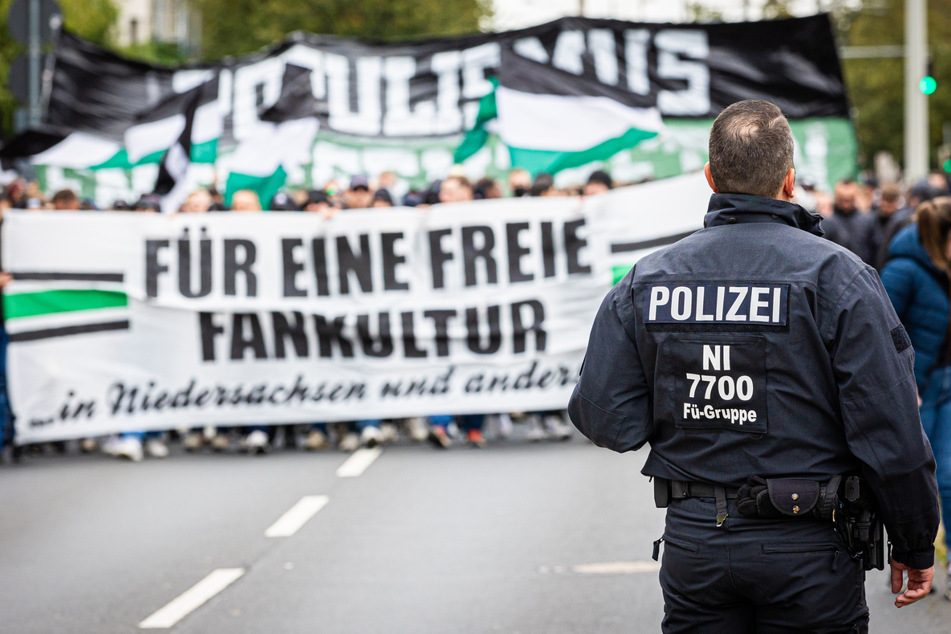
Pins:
x,y
670,234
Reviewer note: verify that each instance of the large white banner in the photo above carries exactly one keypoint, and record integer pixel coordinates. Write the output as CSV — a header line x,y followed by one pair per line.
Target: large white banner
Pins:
x,y
123,321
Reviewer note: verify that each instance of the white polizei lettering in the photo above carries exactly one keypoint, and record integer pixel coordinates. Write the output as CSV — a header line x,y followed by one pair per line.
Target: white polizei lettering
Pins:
x,y
660,295
733,313
721,292
400,119
777,296
711,358
448,115
604,50
756,302
635,54
569,47
680,303
700,315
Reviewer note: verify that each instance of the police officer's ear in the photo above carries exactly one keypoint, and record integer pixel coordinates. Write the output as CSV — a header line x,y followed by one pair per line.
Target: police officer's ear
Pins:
x,y
706,172
788,192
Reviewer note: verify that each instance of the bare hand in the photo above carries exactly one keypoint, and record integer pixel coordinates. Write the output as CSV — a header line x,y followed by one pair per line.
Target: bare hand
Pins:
x,y
919,583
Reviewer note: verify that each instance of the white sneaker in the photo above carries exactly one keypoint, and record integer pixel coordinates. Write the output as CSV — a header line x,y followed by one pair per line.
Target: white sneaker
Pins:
x,y
389,433
155,448
557,428
128,447
502,423
350,442
193,441
88,445
535,431
370,437
220,442
417,428
316,440
256,442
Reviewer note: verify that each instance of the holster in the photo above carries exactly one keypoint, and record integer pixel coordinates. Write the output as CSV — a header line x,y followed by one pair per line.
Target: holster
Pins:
x,y
661,492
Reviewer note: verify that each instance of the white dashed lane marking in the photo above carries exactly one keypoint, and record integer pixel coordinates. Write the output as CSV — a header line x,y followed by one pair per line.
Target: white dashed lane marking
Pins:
x,y
192,599
297,516
358,462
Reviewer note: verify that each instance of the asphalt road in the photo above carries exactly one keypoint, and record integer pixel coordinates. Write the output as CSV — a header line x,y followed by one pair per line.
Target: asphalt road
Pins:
x,y
517,537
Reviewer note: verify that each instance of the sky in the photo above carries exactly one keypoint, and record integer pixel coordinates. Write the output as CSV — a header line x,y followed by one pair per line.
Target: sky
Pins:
x,y
513,14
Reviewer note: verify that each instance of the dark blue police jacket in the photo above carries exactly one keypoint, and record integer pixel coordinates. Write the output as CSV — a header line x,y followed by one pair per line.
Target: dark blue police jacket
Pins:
x,y
755,347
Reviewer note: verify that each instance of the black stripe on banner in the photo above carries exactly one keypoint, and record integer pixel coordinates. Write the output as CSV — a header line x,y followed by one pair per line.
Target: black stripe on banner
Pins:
x,y
55,276
65,331
627,247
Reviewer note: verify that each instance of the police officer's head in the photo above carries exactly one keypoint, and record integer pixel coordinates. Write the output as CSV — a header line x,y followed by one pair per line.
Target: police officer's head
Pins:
x,y
751,151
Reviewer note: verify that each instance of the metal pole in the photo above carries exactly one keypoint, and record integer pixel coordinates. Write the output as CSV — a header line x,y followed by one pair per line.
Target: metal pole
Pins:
x,y
34,80
916,104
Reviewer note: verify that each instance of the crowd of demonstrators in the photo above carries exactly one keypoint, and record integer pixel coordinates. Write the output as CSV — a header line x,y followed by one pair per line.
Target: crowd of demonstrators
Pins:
x,y
865,217
357,192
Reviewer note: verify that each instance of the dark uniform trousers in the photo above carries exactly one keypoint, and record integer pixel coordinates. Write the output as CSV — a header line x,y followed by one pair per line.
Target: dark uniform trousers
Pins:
x,y
755,575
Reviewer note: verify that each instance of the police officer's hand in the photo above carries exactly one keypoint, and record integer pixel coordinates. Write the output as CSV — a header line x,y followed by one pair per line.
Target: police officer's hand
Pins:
x,y
919,583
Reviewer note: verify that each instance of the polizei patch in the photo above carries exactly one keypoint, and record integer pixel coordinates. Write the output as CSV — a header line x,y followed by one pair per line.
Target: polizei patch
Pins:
x,y
731,305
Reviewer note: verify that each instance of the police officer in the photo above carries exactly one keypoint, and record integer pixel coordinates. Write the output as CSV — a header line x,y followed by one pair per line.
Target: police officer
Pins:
x,y
754,353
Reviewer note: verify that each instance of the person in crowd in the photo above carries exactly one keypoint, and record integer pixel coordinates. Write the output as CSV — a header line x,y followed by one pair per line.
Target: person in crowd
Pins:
x,y
455,189
916,280
888,216
382,198
486,188
358,196
245,200
281,201
543,185
65,200
318,201
199,201
598,183
392,183
848,226
519,182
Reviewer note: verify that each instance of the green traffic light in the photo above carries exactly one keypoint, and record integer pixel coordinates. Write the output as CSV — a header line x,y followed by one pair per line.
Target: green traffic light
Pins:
x,y
928,85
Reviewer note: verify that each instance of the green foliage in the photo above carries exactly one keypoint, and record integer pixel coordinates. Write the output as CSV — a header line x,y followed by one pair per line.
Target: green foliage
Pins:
x,y
697,12
90,19
236,27
776,9
876,86
155,52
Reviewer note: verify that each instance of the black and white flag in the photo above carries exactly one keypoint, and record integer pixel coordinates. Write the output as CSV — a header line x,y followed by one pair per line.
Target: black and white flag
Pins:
x,y
170,184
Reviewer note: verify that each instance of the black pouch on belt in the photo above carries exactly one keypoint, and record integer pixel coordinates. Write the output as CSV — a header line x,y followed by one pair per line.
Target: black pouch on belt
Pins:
x,y
777,497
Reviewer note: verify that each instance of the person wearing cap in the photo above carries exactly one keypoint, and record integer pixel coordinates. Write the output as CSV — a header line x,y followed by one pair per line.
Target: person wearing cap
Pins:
x,y
318,201
282,202
382,198
598,183
358,196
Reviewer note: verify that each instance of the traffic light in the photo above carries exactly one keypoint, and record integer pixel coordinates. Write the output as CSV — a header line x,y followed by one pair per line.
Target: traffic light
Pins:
x,y
928,84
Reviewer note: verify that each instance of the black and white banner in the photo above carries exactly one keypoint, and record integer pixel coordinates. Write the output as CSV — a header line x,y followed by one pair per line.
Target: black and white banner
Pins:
x,y
122,321
431,88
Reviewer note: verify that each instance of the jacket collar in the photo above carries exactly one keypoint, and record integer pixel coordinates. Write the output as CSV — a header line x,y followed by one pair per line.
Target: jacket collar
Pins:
x,y
741,208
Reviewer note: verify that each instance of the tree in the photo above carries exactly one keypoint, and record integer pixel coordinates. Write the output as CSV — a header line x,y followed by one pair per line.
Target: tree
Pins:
x,y
876,85
236,27
90,19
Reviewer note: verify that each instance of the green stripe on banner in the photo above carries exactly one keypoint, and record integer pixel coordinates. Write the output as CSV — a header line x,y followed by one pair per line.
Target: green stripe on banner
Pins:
x,y
206,152
620,271
553,161
64,301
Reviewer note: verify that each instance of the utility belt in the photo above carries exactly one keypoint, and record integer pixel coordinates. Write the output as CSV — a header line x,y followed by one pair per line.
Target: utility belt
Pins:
x,y
844,500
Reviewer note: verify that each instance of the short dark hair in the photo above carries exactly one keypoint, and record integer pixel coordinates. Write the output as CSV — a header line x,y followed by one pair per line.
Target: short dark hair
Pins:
x,y
751,149
65,197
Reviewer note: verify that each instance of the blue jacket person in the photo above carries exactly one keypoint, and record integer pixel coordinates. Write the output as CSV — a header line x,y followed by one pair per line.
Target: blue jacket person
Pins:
x,y
773,381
